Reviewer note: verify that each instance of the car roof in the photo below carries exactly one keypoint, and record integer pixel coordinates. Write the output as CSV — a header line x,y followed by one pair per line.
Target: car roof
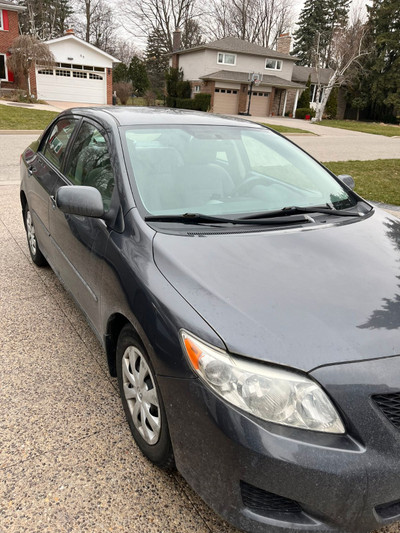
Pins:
x,y
135,115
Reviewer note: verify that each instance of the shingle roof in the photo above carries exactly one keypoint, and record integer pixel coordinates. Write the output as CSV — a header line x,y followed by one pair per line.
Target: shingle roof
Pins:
x,y
243,77
233,44
301,74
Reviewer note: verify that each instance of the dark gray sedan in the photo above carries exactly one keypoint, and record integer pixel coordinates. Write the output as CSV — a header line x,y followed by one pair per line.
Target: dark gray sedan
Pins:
x,y
248,301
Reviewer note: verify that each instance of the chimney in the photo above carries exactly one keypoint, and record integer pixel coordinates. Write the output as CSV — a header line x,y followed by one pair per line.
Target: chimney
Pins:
x,y
70,31
176,45
283,43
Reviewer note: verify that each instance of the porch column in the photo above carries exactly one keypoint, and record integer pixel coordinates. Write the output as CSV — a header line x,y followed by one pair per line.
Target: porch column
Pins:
x,y
284,103
295,103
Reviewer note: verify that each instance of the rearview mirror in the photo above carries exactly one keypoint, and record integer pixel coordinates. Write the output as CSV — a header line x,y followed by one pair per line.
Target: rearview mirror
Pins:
x,y
80,200
347,180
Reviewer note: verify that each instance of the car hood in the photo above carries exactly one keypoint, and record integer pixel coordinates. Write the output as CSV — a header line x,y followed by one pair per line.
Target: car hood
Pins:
x,y
301,298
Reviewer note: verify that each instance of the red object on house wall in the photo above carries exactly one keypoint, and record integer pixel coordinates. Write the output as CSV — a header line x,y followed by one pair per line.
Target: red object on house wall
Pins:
x,y
6,25
8,33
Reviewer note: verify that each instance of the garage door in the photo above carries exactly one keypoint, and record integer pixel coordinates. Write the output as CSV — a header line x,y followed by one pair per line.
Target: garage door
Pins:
x,y
72,85
226,101
259,106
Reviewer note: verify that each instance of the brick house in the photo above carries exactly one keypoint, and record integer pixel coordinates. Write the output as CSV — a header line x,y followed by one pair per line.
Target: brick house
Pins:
x,y
9,30
223,68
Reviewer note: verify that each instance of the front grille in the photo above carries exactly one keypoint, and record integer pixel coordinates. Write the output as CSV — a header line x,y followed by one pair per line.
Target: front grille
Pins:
x,y
389,404
267,503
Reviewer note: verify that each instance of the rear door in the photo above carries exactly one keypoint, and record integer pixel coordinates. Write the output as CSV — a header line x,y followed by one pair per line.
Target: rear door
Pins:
x,y
80,242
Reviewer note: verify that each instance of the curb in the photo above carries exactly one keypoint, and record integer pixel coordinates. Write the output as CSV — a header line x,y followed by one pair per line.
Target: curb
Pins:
x,y
20,132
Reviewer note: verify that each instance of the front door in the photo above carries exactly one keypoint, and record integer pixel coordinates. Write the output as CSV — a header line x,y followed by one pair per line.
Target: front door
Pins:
x,y
80,241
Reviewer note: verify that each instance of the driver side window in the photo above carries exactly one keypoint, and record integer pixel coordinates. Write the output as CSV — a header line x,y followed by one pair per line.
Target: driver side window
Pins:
x,y
90,162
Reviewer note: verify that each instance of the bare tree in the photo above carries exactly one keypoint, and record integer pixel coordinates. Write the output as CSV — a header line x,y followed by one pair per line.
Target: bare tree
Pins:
x,y
143,17
347,47
256,21
94,22
26,51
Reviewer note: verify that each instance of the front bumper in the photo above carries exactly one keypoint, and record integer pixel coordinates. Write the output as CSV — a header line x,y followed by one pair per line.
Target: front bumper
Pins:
x,y
262,477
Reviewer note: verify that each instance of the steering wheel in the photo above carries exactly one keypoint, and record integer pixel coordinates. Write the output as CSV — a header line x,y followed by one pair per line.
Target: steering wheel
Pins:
x,y
249,183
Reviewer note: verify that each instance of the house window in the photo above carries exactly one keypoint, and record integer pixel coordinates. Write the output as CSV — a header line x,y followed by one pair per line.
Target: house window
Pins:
x,y
196,89
79,74
273,64
95,76
3,70
1,21
45,71
226,59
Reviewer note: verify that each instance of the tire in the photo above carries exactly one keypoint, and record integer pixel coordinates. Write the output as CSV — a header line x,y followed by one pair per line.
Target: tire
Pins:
x,y
36,255
142,401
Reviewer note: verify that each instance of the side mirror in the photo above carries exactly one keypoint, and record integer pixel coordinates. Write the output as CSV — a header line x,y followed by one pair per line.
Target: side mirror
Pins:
x,y
80,200
347,180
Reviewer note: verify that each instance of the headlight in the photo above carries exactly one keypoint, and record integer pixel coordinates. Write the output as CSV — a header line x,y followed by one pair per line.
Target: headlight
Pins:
x,y
270,393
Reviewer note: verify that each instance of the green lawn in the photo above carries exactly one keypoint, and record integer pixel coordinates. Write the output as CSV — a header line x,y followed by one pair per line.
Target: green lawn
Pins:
x,y
22,118
389,130
375,180
285,129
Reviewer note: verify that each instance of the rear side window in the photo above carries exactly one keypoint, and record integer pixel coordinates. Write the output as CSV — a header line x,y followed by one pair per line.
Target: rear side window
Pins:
x,y
90,162
56,144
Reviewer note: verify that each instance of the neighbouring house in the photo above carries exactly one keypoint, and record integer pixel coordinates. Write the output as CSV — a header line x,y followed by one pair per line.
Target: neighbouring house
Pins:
x,y
223,68
9,30
82,73
317,77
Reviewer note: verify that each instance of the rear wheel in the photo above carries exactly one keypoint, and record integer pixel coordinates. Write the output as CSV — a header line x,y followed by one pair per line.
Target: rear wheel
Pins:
x,y
142,401
36,255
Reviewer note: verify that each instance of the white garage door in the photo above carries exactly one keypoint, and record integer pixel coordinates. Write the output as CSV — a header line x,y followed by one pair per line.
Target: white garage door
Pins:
x,y
226,101
260,102
72,85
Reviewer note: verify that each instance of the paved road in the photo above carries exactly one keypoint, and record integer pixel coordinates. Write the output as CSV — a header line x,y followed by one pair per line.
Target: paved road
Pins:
x,y
11,146
334,144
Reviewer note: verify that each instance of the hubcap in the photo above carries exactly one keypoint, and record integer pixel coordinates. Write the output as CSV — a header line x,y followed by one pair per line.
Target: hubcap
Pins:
x,y
30,230
141,395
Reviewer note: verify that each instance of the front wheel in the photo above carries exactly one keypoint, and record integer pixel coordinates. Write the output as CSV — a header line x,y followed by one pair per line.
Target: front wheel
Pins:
x,y
36,255
142,401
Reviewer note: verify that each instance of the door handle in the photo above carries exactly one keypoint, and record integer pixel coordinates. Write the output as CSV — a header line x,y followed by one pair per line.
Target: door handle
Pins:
x,y
31,170
53,202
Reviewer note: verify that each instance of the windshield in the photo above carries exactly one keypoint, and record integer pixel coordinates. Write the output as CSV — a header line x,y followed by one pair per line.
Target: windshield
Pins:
x,y
224,170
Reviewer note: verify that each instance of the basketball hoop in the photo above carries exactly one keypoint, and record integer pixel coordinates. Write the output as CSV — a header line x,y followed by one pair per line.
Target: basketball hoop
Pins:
x,y
256,78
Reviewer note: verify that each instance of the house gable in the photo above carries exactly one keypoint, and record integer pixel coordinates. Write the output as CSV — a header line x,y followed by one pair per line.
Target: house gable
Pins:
x,y
70,49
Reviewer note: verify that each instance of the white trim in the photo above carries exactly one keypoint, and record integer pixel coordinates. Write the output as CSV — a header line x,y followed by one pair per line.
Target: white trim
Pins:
x,y
223,61
12,7
83,43
5,67
1,20
276,62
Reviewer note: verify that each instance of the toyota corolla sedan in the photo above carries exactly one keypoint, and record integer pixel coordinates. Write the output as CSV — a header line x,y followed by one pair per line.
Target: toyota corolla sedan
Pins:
x,y
248,301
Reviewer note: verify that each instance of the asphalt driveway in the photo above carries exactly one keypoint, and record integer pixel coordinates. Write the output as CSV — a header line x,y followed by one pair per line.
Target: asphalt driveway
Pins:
x,y
67,460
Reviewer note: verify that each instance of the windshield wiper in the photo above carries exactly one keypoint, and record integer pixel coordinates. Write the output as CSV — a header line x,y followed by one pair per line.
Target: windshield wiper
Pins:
x,y
198,218
296,210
